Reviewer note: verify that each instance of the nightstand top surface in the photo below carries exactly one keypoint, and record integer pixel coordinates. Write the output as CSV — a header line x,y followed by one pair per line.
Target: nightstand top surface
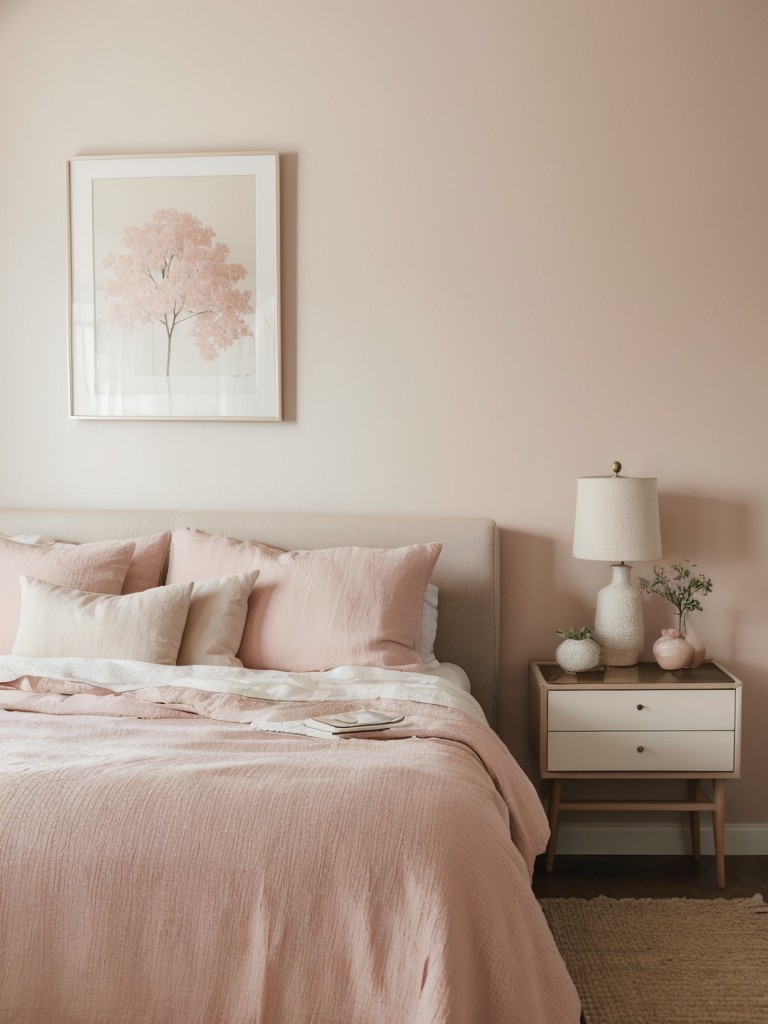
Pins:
x,y
645,673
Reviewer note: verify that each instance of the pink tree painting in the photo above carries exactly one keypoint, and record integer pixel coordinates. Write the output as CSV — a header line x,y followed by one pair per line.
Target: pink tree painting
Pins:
x,y
171,271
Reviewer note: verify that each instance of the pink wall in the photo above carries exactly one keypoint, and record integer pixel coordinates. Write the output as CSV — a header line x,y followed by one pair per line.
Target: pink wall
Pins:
x,y
520,240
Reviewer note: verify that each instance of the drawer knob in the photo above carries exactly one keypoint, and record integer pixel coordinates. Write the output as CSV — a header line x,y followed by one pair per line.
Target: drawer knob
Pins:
x,y
640,749
640,707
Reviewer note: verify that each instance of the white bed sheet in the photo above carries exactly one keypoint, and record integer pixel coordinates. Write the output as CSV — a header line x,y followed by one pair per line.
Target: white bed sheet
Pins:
x,y
446,685
453,674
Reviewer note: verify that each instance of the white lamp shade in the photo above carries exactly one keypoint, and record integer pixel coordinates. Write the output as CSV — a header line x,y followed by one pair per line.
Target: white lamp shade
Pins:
x,y
617,519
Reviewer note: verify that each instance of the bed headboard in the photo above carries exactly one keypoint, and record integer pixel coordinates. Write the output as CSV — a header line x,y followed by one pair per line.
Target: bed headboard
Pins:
x,y
467,572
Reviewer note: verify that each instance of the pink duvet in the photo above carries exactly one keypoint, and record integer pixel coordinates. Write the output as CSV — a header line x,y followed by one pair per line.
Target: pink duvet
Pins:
x,y
162,862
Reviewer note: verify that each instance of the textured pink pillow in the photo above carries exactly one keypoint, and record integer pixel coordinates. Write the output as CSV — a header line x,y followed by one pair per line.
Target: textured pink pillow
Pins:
x,y
314,610
148,562
100,567
196,556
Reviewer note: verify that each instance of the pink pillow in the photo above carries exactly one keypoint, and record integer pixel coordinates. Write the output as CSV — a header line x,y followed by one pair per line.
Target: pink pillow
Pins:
x,y
146,569
315,610
148,562
196,556
100,567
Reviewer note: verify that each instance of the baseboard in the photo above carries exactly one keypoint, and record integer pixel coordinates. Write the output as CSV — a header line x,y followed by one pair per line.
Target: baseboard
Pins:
x,y
657,839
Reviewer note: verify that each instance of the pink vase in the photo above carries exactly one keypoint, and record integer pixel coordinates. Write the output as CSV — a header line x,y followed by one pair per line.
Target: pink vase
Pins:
x,y
672,651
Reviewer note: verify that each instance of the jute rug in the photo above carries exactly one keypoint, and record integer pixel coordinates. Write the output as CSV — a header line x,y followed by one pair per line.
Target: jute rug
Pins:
x,y
665,961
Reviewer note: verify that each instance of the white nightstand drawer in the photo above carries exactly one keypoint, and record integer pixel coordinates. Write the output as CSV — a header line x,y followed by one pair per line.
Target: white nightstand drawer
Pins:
x,y
641,751
598,709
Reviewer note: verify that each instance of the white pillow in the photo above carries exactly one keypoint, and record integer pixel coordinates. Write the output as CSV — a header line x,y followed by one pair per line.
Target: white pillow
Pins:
x,y
425,648
58,621
216,620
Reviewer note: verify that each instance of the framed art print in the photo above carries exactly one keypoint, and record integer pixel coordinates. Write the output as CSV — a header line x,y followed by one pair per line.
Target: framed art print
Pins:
x,y
175,287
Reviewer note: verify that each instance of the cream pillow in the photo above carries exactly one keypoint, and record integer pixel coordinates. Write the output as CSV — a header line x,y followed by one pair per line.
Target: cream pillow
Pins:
x,y
98,567
216,620
58,621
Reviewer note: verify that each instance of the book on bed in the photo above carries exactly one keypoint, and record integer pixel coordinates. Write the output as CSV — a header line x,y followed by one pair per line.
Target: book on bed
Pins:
x,y
352,721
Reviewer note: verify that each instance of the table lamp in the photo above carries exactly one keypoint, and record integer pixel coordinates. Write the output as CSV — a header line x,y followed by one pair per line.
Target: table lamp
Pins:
x,y
617,520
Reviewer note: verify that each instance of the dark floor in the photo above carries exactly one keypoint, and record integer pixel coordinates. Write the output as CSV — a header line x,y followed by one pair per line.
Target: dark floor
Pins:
x,y
638,877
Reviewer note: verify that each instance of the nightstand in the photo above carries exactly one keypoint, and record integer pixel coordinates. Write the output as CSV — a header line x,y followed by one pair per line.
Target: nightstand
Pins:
x,y
638,723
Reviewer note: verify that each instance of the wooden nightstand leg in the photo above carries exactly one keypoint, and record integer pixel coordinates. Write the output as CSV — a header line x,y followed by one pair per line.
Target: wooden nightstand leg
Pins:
x,y
719,830
693,789
555,789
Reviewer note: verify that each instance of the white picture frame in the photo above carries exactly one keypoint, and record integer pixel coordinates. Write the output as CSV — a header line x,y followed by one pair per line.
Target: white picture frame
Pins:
x,y
174,287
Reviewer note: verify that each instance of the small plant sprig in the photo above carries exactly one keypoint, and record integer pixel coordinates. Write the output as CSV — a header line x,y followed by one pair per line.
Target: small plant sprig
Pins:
x,y
679,586
575,634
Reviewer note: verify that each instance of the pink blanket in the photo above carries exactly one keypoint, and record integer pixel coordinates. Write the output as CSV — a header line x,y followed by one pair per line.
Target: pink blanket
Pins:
x,y
164,863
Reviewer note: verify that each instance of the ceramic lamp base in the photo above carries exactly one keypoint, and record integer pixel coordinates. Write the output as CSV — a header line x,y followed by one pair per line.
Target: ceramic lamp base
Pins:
x,y
619,619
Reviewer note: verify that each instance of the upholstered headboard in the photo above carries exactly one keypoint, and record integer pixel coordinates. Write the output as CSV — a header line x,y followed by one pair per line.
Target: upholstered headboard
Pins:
x,y
467,572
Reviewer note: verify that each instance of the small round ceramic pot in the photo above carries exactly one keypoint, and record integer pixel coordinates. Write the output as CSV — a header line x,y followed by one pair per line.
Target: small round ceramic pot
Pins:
x,y
672,651
578,655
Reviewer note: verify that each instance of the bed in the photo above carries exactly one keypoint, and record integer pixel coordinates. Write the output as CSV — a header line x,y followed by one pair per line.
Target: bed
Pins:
x,y
178,847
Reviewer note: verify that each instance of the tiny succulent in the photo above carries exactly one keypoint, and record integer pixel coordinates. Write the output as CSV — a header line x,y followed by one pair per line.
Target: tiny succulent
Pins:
x,y
576,634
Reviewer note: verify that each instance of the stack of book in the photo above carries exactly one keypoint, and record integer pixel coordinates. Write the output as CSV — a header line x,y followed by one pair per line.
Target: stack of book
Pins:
x,y
350,722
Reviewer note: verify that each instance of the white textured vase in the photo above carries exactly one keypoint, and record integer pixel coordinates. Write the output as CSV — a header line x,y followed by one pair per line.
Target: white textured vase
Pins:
x,y
578,655
619,619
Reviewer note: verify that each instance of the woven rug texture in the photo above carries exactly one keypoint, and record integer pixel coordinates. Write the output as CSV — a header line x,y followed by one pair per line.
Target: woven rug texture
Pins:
x,y
665,961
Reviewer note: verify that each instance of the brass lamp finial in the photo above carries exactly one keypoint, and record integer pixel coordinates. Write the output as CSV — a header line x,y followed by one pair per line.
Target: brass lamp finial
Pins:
x,y
615,468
